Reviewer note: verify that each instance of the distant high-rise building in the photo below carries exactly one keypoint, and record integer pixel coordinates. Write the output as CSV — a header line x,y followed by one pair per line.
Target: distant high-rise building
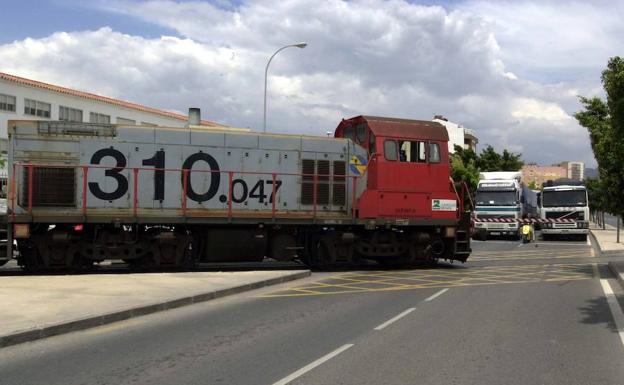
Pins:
x,y
458,134
575,170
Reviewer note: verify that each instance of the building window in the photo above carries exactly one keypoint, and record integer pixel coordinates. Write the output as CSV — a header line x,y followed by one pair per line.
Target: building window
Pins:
x,y
94,117
7,103
125,121
70,114
37,108
390,150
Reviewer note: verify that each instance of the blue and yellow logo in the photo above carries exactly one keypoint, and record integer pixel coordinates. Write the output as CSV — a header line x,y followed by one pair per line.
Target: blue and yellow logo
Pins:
x,y
357,165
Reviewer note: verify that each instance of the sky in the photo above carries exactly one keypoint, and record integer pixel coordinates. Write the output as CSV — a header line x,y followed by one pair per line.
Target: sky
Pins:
x,y
510,70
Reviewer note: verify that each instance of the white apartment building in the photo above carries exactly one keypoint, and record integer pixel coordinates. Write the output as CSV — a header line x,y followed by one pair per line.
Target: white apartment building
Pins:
x,y
22,98
458,134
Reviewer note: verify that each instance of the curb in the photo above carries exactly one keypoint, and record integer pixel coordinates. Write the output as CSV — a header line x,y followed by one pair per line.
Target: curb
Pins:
x,y
595,243
597,247
98,320
618,274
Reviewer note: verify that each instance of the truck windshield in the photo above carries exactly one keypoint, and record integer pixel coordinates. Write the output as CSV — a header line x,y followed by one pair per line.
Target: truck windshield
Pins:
x,y
496,198
567,198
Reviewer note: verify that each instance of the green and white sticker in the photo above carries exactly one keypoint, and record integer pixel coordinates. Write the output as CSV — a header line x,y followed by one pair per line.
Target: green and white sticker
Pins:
x,y
443,205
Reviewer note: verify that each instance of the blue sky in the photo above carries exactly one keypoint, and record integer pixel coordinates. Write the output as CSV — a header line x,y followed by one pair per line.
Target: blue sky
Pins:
x,y
511,70
37,19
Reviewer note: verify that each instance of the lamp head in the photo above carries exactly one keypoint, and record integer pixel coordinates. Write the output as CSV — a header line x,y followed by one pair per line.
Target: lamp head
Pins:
x,y
301,45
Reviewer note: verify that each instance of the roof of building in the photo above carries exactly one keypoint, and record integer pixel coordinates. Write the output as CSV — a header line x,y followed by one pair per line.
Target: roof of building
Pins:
x,y
402,128
98,98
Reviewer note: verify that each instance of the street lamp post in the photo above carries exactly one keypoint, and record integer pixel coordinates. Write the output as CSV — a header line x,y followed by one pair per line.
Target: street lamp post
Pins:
x,y
266,72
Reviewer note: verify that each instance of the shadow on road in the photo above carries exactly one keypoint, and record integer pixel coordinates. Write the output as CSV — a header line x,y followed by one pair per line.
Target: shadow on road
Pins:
x,y
596,311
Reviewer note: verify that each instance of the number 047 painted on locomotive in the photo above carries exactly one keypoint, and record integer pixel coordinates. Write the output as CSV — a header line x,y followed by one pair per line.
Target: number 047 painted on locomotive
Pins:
x,y
160,182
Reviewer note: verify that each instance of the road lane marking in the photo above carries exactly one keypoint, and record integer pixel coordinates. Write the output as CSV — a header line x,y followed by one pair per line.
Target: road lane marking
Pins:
x,y
312,365
441,278
436,295
587,240
394,319
616,311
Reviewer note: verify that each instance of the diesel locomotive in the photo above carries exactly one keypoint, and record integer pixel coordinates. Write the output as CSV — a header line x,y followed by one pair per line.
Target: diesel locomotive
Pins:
x,y
380,189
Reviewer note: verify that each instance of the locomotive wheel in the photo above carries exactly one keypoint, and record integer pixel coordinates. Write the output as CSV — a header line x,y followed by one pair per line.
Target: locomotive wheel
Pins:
x,y
29,256
319,255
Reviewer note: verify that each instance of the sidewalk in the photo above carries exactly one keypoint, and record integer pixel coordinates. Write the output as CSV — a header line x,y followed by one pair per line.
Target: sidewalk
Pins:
x,y
34,307
605,240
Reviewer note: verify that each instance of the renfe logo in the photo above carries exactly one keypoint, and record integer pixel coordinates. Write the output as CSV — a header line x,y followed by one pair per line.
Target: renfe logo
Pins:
x,y
443,205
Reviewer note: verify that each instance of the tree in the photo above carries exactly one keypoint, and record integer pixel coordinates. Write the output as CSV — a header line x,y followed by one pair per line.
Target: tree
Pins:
x,y
605,124
489,160
510,161
466,164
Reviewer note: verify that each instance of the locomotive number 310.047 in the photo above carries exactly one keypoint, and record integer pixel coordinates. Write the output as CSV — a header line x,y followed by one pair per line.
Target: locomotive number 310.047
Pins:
x,y
240,190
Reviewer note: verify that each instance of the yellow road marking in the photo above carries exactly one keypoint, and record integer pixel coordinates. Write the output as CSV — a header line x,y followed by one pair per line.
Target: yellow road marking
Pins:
x,y
356,282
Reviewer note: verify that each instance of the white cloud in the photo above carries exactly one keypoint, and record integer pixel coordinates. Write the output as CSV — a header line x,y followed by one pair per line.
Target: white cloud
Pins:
x,y
374,57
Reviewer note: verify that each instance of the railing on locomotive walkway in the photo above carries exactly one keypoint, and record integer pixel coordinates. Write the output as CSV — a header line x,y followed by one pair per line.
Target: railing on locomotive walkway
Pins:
x,y
185,175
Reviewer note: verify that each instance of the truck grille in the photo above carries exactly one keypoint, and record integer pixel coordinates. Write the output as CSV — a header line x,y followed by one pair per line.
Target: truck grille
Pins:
x,y
565,215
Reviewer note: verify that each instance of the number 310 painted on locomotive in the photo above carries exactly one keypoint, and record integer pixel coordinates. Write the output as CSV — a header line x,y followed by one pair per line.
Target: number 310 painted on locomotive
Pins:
x,y
160,181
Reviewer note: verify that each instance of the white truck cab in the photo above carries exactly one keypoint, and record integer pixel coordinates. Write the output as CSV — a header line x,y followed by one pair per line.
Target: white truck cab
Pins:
x,y
498,204
564,209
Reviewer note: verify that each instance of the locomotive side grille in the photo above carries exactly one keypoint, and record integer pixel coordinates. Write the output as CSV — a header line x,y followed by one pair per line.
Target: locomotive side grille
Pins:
x,y
339,194
339,188
322,169
339,170
329,188
307,168
322,193
307,193
52,187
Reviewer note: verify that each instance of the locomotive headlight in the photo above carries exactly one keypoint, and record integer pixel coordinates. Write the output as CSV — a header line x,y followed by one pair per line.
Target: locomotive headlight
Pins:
x,y
449,232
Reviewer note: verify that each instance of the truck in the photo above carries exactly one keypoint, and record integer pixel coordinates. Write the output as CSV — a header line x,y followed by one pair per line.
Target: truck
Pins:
x,y
498,204
564,209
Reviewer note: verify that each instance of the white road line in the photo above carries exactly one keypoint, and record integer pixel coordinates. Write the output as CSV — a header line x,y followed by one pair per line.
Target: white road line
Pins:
x,y
312,365
616,311
436,295
588,243
394,319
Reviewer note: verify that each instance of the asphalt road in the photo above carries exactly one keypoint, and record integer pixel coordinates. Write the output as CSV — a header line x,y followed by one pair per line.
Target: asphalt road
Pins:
x,y
514,314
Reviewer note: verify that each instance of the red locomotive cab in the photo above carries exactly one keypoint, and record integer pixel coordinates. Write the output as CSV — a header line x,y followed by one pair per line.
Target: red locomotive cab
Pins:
x,y
408,169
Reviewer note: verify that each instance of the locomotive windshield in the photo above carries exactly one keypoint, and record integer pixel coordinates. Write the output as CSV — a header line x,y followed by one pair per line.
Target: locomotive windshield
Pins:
x,y
496,198
566,198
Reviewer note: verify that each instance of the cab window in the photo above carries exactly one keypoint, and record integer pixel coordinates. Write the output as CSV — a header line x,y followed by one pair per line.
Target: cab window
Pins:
x,y
360,131
348,132
414,152
371,143
434,153
390,150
